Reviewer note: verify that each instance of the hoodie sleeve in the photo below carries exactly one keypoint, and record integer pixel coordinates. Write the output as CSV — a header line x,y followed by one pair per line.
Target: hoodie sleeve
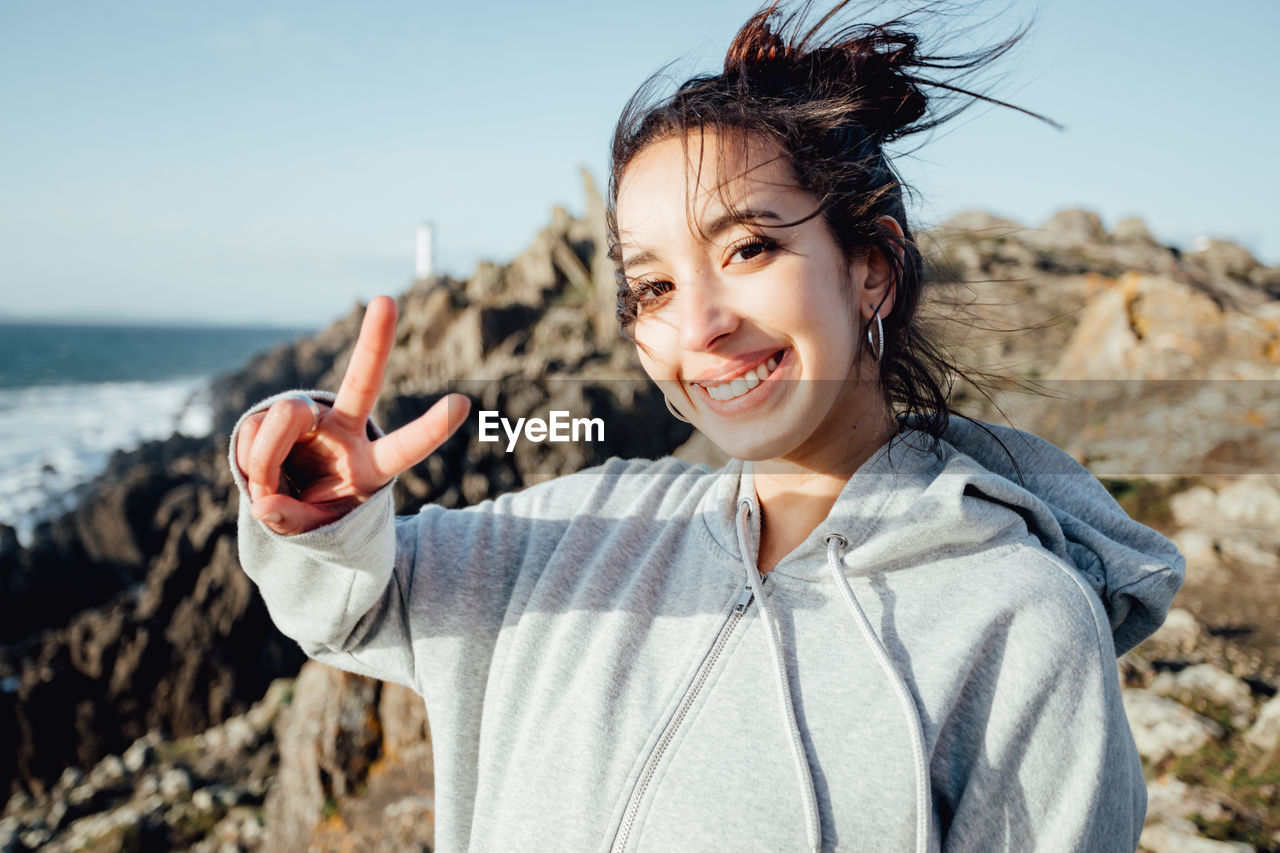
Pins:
x,y
1038,754
413,599
331,589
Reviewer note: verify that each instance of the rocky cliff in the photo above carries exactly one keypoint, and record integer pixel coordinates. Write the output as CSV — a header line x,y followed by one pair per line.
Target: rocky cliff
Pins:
x,y
136,651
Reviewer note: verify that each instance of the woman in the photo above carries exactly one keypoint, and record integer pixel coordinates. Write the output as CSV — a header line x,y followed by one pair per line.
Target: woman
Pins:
x,y
877,627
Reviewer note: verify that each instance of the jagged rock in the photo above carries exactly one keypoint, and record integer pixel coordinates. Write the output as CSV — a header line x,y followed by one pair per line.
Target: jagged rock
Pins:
x,y
99,549
1153,327
140,753
70,778
108,773
1071,228
1265,733
56,814
202,800
1247,551
1231,272
1182,837
403,718
1251,501
155,807
1134,669
329,736
1170,799
1163,728
175,783
192,647
1140,362
981,225
1194,505
485,283
1199,548
83,797
1238,524
405,822
338,727
1223,257
1179,633
1205,682
36,838
1134,230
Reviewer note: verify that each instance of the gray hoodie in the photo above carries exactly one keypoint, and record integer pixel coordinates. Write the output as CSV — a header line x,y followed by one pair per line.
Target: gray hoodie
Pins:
x,y
604,668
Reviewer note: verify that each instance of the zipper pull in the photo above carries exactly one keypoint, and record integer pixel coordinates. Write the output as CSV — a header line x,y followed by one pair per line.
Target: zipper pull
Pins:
x,y
745,599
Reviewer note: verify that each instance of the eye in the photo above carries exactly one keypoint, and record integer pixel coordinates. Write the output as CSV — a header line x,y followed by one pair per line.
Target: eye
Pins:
x,y
641,292
750,248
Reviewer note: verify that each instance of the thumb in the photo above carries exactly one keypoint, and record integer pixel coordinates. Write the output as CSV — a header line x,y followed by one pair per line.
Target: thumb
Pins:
x,y
289,516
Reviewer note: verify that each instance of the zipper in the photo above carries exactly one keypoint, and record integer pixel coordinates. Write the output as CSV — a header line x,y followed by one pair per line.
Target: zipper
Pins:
x,y
637,796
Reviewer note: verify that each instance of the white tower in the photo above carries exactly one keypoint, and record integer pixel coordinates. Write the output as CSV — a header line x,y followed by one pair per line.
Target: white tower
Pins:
x,y
426,245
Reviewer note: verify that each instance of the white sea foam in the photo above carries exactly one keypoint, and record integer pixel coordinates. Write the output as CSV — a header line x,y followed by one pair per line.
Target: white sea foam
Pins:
x,y
54,438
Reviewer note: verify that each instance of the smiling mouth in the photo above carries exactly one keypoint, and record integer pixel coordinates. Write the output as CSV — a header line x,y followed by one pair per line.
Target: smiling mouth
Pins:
x,y
744,382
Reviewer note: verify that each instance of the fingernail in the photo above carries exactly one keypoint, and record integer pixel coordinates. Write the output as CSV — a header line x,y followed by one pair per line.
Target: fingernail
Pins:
x,y
272,518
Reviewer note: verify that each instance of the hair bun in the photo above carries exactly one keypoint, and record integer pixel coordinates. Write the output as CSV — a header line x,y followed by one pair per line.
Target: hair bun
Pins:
x,y
870,65
878,66
756,46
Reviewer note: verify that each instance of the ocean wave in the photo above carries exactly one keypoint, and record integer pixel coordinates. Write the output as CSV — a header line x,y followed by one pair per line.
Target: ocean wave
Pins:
x,y
55,438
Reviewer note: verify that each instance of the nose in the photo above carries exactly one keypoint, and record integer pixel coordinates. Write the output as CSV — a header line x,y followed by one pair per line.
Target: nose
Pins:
x,y
704,315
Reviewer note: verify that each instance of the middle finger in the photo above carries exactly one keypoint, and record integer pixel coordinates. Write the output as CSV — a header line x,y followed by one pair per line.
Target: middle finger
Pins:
x,y
286,421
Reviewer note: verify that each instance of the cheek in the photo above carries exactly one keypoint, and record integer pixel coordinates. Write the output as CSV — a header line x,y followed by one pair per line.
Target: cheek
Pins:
x,y
653,354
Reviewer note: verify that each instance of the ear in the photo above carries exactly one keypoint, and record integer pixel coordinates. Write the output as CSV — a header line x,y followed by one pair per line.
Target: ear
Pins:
x,y
880,287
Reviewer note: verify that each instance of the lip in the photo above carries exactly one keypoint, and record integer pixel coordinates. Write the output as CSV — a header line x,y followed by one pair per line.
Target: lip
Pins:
x,y
757,396
737,367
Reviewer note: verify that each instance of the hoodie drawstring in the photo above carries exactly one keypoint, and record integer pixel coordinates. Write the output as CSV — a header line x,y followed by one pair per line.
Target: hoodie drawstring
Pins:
x,y
803,773
924,810
835,545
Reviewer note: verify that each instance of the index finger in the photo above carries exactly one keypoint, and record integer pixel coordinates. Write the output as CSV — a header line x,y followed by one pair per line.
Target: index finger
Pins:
x,y
363,379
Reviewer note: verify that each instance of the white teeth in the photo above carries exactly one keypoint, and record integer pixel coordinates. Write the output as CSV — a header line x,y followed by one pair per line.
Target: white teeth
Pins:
x,y
744,383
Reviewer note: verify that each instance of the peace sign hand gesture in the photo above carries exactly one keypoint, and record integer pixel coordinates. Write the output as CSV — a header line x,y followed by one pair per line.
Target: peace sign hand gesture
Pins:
x,y
335,467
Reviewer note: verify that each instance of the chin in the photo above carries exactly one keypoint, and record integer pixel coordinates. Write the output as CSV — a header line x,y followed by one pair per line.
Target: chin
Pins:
x,y
751,445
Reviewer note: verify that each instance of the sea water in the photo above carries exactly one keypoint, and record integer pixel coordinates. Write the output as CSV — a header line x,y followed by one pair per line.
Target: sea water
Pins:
x,y
70,395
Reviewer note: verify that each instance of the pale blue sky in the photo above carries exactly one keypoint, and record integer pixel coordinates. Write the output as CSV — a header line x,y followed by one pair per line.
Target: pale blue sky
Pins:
x,y
269,162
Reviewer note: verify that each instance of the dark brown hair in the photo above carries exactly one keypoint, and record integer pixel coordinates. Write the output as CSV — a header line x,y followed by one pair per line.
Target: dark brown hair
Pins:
x,y
830,96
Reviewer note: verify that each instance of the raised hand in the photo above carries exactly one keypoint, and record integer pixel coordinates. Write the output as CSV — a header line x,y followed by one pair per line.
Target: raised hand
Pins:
x,y
336,467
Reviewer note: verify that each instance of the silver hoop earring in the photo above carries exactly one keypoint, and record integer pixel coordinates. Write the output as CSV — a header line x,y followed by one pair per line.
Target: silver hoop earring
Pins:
x,y
672,409
877,345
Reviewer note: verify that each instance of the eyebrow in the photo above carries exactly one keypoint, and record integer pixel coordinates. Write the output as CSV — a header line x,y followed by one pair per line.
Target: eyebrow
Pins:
x,y
714,229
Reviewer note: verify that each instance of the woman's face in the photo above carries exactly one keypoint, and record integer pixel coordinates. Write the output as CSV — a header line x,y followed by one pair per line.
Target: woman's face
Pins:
x,y
748,325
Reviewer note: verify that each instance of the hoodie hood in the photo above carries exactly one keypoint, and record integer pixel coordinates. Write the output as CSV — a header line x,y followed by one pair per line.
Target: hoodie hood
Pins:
x,y
1134,570
983,484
